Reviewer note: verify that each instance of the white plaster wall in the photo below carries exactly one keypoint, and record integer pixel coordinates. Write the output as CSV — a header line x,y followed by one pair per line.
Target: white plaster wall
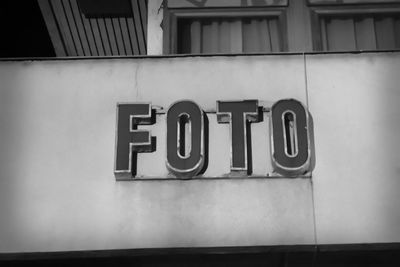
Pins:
x,y
355,103
58,192
57,188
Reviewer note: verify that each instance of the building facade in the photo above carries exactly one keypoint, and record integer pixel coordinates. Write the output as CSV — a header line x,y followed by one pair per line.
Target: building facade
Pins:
x,y
198,133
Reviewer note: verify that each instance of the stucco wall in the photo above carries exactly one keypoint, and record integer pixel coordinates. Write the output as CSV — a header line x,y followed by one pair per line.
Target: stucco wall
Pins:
x,y
58,191
355,103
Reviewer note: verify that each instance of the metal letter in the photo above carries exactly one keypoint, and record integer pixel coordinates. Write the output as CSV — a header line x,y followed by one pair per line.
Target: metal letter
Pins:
x,y
182,161
129,140
239,115
290,138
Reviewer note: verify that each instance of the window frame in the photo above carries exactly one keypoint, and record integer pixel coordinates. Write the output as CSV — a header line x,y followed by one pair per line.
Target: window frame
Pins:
x,y
172,15
354,3
318,12
298,21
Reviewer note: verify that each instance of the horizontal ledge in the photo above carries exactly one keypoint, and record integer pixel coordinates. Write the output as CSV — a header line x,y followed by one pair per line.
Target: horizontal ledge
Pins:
x,y
223,3
350,11
212,178
93,254
213,14
199,55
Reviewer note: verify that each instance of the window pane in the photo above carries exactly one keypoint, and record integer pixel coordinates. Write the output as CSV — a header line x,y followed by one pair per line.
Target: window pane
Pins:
x,y
228,35
360,32
341,2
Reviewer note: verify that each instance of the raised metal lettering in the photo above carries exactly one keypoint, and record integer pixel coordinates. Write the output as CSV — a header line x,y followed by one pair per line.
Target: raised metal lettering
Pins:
x,y
239,115
290,138
129,140
185,156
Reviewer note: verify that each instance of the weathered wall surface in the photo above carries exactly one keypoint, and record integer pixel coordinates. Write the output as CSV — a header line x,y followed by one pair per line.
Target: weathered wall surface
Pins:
x,y
57,188
355,100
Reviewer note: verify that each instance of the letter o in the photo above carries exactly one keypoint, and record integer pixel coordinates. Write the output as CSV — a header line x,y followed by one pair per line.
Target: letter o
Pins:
x,y
290,138
181,115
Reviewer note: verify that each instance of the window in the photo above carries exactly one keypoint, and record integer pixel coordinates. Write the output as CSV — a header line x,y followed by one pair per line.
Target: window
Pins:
x,y
219,26
360,28
244,33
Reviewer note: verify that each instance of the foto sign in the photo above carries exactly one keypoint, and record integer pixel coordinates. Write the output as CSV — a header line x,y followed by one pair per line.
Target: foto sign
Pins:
x,y
290,137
